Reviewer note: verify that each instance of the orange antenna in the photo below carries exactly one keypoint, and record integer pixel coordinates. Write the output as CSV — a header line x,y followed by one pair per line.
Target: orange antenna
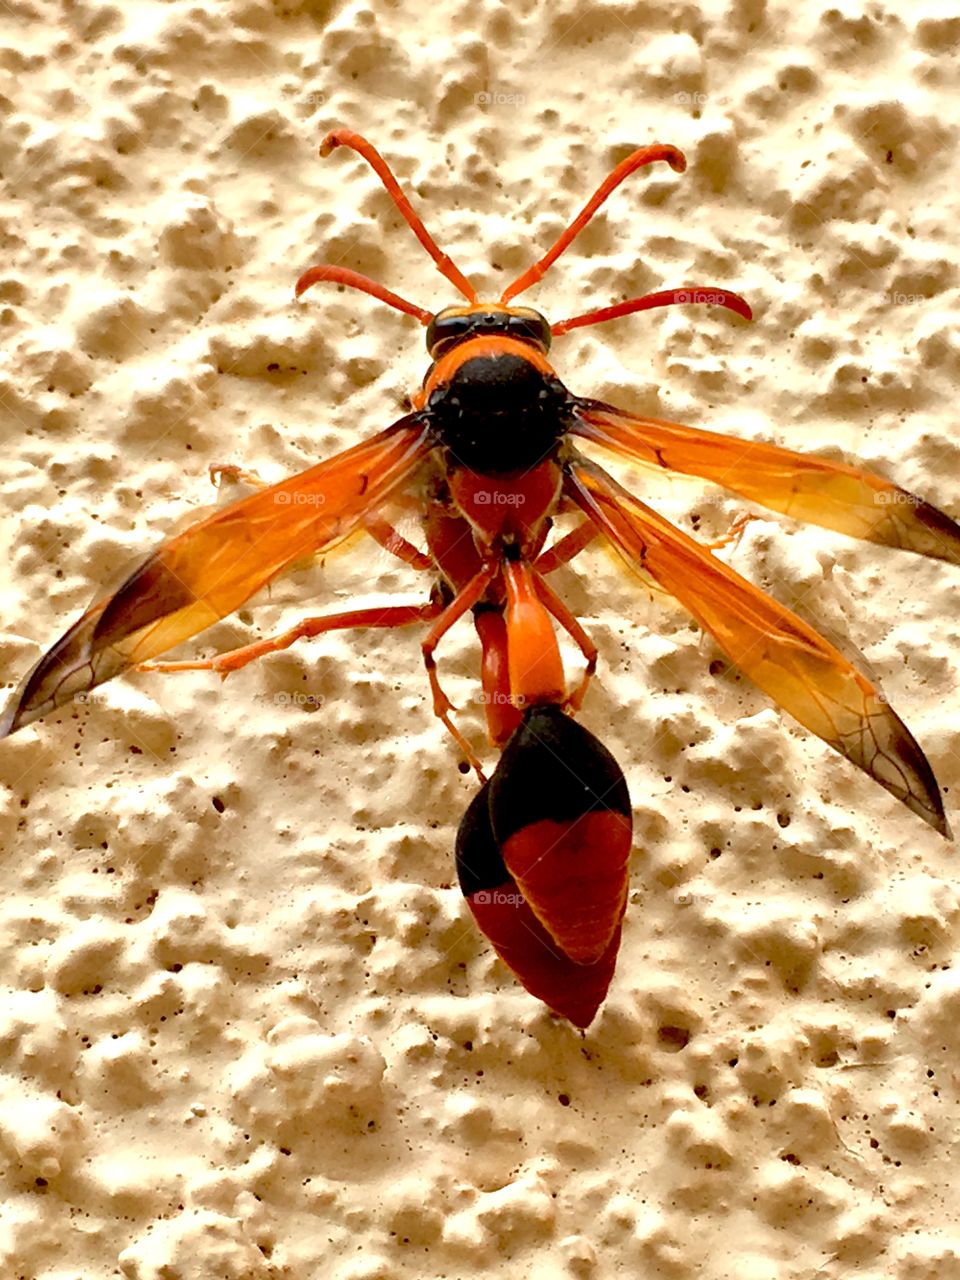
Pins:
x,y
665,298
636,160
347,138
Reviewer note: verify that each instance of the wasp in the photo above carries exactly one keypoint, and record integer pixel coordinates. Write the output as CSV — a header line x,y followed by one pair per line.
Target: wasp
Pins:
x,y
490,456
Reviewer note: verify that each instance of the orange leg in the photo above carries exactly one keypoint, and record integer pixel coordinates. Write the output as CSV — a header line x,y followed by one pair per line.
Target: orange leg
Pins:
x,y
465,599
734,533
383,532
234,659
564,550
576,633
239,475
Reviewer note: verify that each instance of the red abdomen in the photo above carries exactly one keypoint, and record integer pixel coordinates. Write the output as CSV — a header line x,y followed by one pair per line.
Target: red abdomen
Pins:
x,y
542,856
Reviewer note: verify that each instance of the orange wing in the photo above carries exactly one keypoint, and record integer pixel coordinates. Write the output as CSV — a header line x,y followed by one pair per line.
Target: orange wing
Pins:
x,y
800,670
832,494
204,573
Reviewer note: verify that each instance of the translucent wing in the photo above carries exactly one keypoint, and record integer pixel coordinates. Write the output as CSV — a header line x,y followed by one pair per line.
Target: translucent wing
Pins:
x,y
800,670
202,574
832,494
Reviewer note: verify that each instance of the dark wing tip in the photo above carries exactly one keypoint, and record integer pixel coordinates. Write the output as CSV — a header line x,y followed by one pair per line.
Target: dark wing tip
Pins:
x,y
8,720
929,807
22,709
944,532
901,767
934,817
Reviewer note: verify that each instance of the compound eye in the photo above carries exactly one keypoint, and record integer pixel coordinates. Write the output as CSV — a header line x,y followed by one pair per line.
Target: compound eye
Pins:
x,y
532,327
442,330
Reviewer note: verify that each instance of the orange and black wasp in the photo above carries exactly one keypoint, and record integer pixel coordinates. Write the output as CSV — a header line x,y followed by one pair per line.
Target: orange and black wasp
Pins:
x,y
489,455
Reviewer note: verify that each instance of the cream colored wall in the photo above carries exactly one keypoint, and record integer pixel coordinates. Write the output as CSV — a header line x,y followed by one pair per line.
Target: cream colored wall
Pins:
x,y
247,1029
